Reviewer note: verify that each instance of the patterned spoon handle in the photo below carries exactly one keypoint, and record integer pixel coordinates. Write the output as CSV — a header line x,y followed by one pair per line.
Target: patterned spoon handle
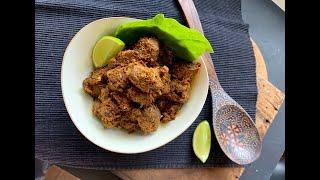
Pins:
x,y
234,129
193,20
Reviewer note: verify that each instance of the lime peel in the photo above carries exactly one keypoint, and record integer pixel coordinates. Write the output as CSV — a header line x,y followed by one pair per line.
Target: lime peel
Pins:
x,y
201,141
106,48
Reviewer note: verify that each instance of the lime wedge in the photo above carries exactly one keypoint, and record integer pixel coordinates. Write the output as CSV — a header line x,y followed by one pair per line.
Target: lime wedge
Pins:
x,y
201,141
105,49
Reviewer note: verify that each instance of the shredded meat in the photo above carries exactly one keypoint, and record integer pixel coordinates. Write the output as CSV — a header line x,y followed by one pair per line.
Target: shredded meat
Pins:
x,y
168,109
148,49
150,80
184,71
95,82
107,111
140,87
149,119
118,79
180,91
124,58
165,57
129,120
136,95
122,101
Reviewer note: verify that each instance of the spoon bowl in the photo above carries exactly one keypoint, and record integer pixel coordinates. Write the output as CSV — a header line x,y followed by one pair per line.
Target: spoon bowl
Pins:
x,y
234,129
237,135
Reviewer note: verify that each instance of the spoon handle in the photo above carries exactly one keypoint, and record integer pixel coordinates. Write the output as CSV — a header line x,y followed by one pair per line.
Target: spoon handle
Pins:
x,y
192,17
219,96
234,129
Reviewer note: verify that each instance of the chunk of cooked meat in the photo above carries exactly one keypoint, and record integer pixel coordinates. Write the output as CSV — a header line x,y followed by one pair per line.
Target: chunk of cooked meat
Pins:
x,y
136,95
168,109
147,119
107,111
118,79
95,82
136,90
130,126
180,91
132,65
165,78
104,94
99,74
92,87
184,71
150,119
129,120
148,48
149,80
171,113
165,57
124,58
122,101
146,79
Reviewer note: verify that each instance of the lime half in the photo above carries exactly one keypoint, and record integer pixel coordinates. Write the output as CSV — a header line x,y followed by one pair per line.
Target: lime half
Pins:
x,y
105,49
201,141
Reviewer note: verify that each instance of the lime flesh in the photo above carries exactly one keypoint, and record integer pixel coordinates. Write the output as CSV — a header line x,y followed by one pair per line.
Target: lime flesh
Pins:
x,y
201,141
105,49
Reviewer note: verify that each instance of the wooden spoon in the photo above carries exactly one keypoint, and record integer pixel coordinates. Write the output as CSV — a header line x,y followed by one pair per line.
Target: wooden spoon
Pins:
x,y
235,131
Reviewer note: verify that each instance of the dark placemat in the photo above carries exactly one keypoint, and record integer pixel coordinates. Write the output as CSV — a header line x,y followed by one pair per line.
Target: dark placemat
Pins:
x,y
56,138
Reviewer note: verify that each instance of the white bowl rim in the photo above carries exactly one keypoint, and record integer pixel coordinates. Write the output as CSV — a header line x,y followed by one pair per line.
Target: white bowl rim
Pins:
x,y
128,151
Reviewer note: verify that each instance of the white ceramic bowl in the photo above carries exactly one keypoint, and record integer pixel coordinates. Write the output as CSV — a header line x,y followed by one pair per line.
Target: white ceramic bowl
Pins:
x,y
77,65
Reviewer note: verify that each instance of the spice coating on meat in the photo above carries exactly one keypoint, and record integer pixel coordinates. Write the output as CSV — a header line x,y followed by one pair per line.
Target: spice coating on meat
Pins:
x,y
150,119
184,71
95,82
149,80
179,91
168,108
136,95
118,79
140,87
107,111
149,50
124,58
